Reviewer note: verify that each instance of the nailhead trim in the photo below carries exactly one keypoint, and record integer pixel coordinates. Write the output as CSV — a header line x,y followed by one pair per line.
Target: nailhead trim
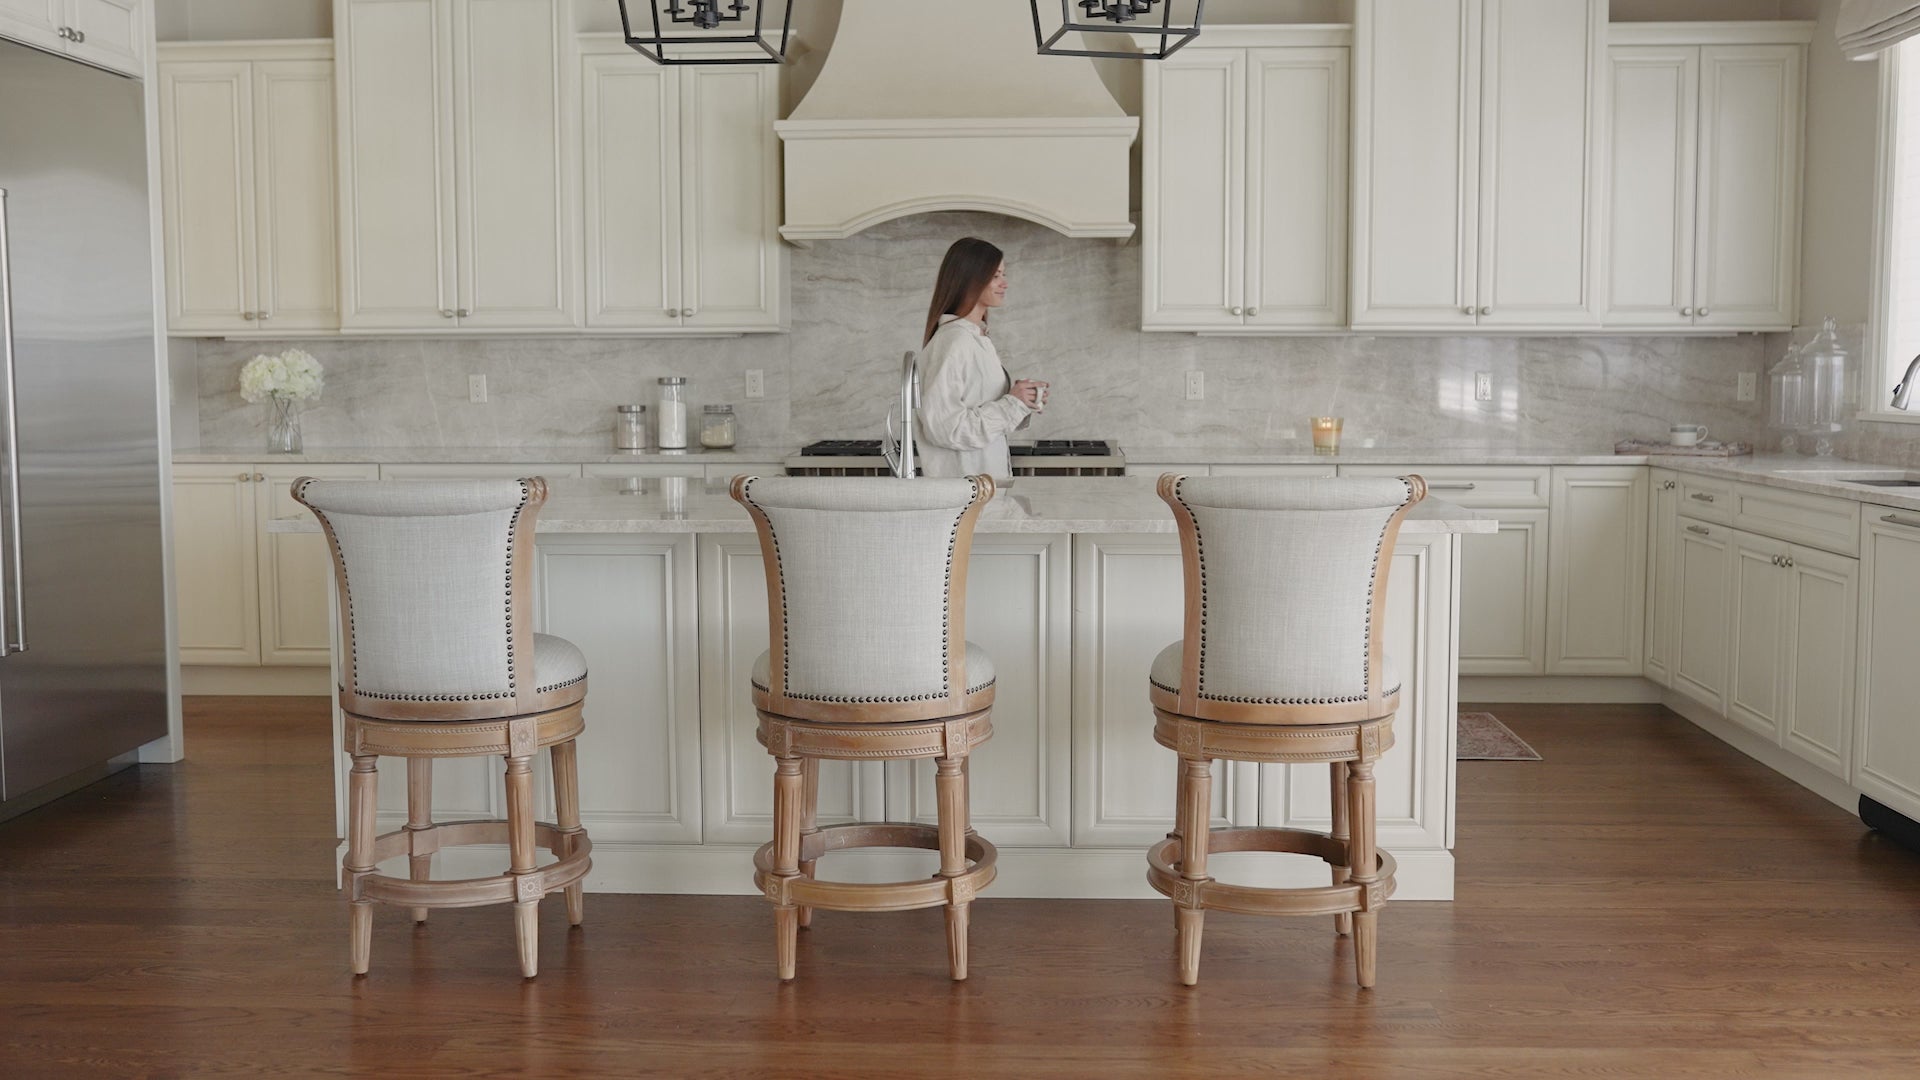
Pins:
x,y
877,700
1272,700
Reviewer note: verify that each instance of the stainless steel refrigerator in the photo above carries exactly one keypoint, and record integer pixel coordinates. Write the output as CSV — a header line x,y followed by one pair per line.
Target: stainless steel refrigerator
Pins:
x,y
82,607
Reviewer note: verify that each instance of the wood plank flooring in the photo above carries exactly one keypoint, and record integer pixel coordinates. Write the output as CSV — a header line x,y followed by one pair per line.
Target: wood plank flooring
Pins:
x,y
1646,902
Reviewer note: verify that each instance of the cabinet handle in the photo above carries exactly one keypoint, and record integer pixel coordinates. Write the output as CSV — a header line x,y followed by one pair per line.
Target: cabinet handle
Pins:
x,y
244,477
80,35
1468,310
688,313
446,313
67,32
1451,487
1786,561
1237,311
1486,311
259,478
1700,529
247,315
1896,519
463,312
1702,313
1252,311
1701,496
265,315
1776,560
1669,485
1687,311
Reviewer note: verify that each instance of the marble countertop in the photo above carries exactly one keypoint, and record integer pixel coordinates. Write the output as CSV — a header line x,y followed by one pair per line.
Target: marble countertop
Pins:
x,y
1376,455
479,455
1813,476
1025,505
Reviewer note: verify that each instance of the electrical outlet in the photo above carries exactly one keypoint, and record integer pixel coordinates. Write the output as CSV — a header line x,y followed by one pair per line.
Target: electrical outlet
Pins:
x,y
477,389
756,383
1483,386
1747,387
1196,385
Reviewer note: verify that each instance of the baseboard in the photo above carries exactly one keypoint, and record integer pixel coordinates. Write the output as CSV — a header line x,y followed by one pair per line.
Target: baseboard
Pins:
x,y
220,681
1809,776
1073,873
1560,689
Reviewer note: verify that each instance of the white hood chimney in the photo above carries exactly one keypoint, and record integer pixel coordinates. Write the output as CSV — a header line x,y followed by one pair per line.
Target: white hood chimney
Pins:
x,y
930,105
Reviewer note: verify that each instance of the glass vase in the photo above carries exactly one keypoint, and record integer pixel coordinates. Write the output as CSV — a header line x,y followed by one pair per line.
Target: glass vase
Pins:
x,y
283,427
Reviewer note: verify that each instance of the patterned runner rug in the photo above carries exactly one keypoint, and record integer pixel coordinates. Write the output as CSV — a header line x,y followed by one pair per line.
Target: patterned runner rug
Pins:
x,y
1485,738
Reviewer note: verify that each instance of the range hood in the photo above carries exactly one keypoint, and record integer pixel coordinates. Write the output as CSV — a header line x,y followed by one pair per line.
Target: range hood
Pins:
x,y
930,105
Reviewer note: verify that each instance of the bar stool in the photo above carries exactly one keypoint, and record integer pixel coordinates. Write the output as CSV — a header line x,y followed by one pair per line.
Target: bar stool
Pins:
x,y
439,659
1286,587
868,660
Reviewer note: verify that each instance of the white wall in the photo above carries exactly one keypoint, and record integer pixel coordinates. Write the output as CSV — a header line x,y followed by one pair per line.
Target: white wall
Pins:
x,y
1843,105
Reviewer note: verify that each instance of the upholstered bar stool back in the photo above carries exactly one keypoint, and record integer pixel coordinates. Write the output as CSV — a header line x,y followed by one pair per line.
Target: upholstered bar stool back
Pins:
x,y
438,658
1282,660
868,659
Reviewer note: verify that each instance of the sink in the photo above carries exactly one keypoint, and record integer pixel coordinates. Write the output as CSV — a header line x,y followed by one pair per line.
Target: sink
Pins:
x,y
1885,483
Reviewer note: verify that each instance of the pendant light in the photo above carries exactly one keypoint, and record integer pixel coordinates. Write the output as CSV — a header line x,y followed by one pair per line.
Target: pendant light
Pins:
x,y
1158,33
666,27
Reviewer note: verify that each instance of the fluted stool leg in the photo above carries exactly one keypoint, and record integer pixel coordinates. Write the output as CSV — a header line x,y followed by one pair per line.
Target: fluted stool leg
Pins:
x,y
1364,869
950,789
1342,922
362,784
788,789
1193,822
566,808
809,820
420,819
526,913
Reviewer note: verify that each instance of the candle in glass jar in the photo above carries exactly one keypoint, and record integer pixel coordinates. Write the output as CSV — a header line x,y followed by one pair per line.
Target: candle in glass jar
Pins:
x,y
1326,434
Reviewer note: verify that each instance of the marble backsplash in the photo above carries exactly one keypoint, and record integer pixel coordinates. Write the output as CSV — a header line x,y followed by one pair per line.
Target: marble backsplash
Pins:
x,y
1071,318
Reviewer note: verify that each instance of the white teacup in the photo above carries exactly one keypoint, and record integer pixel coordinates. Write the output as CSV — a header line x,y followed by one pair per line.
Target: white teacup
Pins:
x,y
1686,434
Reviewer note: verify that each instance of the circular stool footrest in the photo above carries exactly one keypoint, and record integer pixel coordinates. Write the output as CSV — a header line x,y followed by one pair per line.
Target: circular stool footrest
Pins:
x,y
472,892
1259,900
804,891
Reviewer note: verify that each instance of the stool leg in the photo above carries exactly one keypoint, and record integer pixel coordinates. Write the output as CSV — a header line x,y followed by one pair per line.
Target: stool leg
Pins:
x,y
1193,825
566,807
1179,812
1343,922
362,792
1365,869
950,789
809,821
419,819
787,792
526,913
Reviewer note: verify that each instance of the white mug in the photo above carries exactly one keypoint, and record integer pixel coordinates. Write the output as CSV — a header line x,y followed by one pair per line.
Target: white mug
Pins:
x,y
1686,434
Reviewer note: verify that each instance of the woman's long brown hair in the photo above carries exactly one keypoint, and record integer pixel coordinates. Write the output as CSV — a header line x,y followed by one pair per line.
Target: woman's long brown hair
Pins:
x,y
964,276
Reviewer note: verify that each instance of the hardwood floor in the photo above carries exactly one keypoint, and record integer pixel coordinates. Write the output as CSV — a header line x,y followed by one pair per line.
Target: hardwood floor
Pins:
x,y
1645,902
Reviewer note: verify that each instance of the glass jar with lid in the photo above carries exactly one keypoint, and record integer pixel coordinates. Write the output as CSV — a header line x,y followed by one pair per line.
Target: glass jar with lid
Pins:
x,y
630,427
717,427
670,418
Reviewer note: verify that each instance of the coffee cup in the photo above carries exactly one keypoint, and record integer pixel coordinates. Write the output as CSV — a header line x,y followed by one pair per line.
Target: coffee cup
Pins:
x,y
1686,434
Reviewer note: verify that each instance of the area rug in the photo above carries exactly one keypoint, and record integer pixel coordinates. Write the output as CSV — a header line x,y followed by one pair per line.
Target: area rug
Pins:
x,y
1485,738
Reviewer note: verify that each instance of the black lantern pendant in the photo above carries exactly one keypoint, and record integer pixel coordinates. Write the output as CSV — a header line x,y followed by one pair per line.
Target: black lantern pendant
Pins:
x,y
668,27
1161,36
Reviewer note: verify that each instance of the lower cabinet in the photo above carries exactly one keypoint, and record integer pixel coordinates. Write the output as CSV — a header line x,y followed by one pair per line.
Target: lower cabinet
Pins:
x,y
1663,528
1792,637
1597,571
1887,747
1699,605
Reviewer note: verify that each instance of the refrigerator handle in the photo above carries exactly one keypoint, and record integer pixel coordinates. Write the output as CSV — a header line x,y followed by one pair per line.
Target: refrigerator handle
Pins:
x,y
13,593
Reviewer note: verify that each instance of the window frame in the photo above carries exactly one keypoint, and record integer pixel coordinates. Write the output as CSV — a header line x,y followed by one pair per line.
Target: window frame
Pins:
x,y
1885,369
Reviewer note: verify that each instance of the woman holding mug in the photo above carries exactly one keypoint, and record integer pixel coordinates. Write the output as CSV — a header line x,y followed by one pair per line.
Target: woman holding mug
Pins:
x,y
968,402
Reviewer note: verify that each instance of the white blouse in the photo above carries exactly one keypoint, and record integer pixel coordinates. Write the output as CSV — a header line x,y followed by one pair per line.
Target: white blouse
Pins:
x,y
966,404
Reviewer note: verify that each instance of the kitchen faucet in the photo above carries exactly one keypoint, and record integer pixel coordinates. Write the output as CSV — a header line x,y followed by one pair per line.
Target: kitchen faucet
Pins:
x,y
1903,390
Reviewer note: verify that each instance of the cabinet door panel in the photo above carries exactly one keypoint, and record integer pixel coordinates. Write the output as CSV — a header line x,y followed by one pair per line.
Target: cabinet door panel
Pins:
x,y
1596,603
294,568
216,595
632,123
1538,251
293,173
1824,602
1503,597
1650,217
1193,191
207,194
36,22
1416,163
396,164
1757,628
1296,158
1663,539
514,220
1703,580
112,32
1749,224
1888,763
731,253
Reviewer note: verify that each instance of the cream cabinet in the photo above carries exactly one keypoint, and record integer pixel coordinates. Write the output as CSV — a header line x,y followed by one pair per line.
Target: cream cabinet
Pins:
x,y
1887,744
247,596
1792,647
456,202
1476,171
1663,540
682,194
105,33
1244,183
1703,588
1705,146
247,187
1597,571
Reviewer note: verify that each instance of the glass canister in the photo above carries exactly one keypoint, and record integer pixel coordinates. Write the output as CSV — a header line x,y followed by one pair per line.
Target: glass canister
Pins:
x,y
1830,398
1787,393
717,427
670,416
630,427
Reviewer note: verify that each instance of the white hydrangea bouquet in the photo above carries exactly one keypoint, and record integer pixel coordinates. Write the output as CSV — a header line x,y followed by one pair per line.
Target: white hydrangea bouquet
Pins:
x,y
284,380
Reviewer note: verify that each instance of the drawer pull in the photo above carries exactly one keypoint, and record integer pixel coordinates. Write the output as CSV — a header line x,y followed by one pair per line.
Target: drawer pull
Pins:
x,y
1700,495
1452,487
1779,560
1702,530
1669,485
1896,519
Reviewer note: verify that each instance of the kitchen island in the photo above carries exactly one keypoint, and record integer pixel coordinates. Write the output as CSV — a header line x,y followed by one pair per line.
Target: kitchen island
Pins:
x,y
1074,585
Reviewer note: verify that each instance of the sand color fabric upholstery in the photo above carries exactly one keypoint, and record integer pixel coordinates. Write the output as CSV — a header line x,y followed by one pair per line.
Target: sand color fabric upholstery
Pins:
x,y
436,600
979,669
866,583
1286,594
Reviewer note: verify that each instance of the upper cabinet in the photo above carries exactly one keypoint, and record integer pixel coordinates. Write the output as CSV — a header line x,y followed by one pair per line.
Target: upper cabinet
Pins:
x,y
682,194
1477,164
105,33
1244,182
1705,147
246,158
457,206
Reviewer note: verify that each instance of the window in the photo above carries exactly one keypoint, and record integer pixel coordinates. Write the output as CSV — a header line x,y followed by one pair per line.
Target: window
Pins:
x,y
1894,336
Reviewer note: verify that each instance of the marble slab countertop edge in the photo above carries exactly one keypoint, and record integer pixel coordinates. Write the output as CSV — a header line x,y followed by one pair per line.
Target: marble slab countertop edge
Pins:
x,y
480,455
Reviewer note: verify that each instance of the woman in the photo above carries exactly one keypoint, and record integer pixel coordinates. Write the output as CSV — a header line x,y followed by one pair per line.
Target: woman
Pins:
x,y
968,402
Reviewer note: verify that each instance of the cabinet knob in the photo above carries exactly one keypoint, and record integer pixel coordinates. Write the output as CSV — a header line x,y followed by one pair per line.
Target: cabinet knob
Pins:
x,y
265,315
259,478
1468,310
1702,313
463,312
1687,312
688,313
1237,311
243,477
1253,311
67,32
1701,530
80,35
446,313
1486,311
247,315
1671,484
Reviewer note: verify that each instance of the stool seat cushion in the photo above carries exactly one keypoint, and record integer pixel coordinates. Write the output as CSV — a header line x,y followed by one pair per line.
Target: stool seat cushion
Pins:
x,y
979,674
1165,674
558,664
